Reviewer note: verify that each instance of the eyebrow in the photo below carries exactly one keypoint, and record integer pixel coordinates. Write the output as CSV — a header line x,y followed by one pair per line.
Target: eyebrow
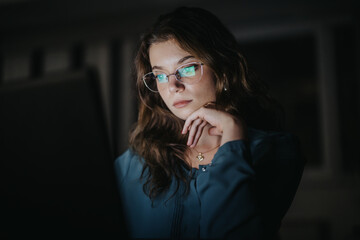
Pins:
x,y
179,62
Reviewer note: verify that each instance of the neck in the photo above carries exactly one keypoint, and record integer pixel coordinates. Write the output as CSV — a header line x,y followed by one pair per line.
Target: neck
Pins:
x,y
207,141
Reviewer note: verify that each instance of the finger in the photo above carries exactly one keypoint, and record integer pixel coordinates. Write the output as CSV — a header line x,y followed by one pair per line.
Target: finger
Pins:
x,y
214,131
198,133
193,130
195,115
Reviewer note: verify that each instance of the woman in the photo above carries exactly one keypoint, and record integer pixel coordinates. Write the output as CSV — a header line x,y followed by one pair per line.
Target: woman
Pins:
x,y
197,167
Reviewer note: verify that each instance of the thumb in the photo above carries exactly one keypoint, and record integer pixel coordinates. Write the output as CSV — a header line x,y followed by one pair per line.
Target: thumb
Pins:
x,y
214,131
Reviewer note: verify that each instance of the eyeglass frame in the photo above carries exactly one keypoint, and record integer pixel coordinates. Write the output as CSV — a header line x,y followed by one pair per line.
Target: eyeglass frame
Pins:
x,y
174,73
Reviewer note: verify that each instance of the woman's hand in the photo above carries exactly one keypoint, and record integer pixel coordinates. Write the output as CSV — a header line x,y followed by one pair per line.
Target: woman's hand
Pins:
x,y
222,124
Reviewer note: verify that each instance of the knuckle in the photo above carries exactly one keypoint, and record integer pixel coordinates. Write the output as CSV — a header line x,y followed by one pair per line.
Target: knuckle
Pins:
x,y
198,121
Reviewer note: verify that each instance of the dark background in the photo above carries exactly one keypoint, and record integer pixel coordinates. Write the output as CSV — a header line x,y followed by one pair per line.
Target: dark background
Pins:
x,y
306,51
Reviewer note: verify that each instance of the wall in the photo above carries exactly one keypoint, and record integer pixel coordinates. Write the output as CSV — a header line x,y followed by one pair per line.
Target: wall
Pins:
x,y
307,52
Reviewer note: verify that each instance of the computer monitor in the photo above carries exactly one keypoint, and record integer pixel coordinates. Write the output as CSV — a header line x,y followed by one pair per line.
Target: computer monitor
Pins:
x,y
56,165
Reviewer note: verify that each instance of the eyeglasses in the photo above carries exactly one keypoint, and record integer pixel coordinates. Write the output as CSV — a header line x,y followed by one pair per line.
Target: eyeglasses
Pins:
x,y
189,73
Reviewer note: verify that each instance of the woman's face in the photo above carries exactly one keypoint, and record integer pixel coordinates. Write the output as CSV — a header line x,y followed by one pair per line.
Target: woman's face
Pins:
x,y
182,99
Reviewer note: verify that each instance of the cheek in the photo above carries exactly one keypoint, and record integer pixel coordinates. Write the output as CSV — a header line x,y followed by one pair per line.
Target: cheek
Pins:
x,y
163,96
209,89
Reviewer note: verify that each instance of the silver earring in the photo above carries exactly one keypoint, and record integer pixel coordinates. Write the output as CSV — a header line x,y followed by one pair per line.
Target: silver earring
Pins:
x,y
225,89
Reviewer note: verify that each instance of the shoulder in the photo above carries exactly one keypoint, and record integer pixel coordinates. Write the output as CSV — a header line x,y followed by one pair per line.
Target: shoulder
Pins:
x,y
256,135
266,140
283,147
264,149
129,163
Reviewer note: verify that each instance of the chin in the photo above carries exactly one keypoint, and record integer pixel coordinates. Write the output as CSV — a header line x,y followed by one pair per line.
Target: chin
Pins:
x,y
182,114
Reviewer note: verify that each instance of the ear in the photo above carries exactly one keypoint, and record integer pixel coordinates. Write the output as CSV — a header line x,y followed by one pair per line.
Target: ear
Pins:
x,y
226,82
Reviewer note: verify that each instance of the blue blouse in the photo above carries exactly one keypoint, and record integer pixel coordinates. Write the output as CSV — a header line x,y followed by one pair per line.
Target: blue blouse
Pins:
x,y
244,193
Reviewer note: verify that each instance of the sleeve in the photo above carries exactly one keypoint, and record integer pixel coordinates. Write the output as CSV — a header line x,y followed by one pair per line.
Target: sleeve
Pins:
x,y
279,165
249,187
227,194
122,165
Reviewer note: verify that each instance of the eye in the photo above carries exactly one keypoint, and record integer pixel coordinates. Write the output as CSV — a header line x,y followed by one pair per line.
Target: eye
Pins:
x,y
187,71
162,78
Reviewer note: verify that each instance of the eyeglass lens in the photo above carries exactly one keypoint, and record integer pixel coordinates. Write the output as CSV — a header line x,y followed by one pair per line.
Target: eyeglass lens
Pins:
x,y
189,74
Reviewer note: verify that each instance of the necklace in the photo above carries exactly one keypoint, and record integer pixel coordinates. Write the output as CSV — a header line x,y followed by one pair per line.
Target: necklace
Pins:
x,y
200,155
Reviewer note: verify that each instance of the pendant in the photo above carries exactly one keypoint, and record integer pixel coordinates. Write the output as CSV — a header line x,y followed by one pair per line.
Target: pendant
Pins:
x,y
200,157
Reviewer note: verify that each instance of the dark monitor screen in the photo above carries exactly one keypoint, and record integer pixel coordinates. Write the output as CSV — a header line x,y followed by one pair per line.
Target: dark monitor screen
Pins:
x,y
56,166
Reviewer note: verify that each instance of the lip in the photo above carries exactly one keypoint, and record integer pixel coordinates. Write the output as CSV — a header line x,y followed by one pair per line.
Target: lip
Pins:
x,y
181,103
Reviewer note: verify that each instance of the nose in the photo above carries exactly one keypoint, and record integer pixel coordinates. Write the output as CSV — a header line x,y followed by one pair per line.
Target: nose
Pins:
x,y
174,85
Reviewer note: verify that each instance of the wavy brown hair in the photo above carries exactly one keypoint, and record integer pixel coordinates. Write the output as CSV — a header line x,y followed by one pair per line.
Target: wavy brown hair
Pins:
x,y
157,136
